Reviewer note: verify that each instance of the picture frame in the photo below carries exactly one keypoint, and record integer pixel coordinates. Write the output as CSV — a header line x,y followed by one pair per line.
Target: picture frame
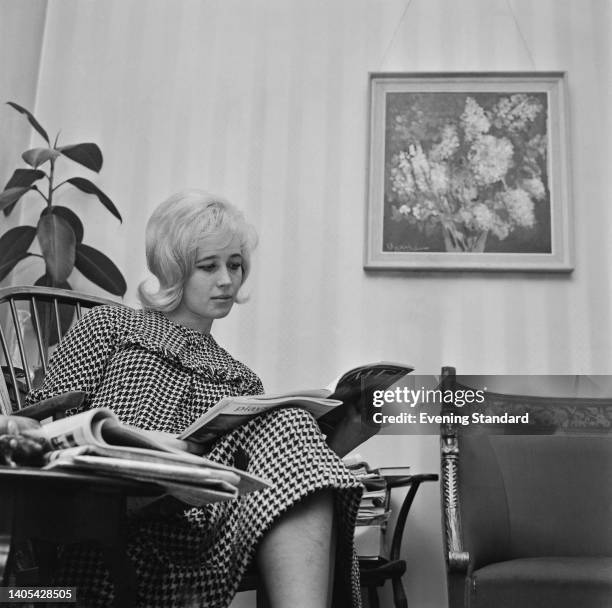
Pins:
x,y
469,171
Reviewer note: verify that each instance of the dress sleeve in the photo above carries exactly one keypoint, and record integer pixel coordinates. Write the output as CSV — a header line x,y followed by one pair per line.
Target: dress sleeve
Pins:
x,y
79,362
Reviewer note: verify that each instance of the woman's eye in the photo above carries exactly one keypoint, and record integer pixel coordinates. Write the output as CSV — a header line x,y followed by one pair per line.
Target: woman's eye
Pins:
x,y
235,266
208,267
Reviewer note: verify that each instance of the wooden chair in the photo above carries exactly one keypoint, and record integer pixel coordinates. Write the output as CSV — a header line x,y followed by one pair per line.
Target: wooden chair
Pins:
x,y
527,506
32,321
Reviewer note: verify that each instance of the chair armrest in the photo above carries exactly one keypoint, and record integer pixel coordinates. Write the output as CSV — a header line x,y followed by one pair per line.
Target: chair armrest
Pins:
x,y
54,406
414,481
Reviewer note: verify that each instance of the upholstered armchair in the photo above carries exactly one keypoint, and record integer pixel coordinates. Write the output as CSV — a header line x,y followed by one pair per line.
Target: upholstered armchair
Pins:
x,y
527,508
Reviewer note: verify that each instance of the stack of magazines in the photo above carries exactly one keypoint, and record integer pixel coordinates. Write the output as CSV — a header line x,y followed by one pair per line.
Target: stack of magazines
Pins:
x,y
96,442
373,513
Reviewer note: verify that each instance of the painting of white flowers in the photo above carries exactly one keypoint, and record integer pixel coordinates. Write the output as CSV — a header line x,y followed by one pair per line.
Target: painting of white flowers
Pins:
x,y
468,172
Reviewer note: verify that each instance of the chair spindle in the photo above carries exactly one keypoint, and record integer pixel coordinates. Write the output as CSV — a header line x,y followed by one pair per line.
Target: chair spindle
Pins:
x,y
42,351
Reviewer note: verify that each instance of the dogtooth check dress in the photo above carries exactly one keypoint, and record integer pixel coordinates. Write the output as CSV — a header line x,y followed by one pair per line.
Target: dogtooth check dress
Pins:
x,y
158,375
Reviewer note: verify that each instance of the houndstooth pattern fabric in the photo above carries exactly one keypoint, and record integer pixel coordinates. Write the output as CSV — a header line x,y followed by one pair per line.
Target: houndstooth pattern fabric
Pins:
x,y
158,375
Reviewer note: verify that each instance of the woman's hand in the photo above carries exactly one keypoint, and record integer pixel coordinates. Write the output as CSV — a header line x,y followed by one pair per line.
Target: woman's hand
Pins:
x,y
20,444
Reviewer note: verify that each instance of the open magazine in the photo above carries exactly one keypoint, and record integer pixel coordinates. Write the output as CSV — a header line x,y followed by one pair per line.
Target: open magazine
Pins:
x,y
95,440
325,404
232,412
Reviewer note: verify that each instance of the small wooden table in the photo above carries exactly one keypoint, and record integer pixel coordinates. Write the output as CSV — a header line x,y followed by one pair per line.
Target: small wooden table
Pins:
x,y
67,507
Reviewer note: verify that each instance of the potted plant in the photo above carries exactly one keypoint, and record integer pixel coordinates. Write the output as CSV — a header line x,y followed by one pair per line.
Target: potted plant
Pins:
x,y
59,230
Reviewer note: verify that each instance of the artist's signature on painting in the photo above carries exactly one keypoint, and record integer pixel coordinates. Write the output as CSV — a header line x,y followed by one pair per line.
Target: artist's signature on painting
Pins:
x,y
396,248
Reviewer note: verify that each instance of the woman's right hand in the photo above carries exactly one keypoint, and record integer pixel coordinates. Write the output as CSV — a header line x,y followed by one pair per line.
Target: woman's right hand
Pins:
x,y
20,441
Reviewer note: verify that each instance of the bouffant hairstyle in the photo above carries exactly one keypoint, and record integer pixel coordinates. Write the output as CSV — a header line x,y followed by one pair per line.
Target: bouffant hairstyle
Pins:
x,y
174,232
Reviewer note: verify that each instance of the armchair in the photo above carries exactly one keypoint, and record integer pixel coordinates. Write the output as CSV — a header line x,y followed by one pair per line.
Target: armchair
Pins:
x,y
527,510
33,320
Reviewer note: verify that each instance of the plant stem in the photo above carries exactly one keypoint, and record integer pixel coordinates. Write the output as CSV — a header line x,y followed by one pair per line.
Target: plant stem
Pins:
x,y
41,194
60,184
51,173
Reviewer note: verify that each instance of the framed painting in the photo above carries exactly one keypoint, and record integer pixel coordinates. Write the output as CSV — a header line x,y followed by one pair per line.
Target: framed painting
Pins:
x,y
469,171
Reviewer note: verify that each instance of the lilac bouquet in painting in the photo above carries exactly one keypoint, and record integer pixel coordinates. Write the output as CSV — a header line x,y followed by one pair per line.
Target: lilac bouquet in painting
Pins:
x,y
466,172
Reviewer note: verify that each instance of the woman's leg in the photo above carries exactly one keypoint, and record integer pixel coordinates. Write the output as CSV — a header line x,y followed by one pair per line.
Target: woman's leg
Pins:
x,y
297,555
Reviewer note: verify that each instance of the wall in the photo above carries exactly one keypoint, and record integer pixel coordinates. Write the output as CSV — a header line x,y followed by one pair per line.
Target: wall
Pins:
x,y
266,102
18,79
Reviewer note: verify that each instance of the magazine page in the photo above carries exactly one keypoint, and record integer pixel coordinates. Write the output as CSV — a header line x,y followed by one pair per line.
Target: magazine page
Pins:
x,y
231,412
113,432
80,429
100,426
395,370
244,481
195,490
156,471
196,495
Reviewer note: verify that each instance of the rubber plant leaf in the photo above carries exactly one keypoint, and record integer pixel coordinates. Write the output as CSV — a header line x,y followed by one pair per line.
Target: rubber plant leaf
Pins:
x,y
70,216
46,312
11,195
31,120
90,188
21,178
87,154
37,156
24,177
57,244
14,245
99,269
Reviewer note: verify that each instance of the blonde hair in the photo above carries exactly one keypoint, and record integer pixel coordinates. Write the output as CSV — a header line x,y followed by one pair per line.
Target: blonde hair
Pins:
x,y
175,230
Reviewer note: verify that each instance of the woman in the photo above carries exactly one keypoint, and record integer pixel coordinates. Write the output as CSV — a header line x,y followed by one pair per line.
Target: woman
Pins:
x,y
160,368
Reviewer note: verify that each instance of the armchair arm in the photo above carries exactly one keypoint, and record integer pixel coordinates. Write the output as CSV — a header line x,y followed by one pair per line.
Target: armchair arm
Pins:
x,y
54,406
414,481
457,557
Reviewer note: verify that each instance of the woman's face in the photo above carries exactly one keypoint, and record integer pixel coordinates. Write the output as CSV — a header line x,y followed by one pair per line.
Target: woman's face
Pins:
x,y
210,290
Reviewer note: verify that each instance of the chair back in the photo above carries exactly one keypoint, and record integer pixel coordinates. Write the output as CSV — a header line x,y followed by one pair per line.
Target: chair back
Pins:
x,y
531,489
33,320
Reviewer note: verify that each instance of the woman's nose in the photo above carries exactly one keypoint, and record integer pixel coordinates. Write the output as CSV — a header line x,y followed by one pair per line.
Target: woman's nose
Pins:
x,y
223,277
